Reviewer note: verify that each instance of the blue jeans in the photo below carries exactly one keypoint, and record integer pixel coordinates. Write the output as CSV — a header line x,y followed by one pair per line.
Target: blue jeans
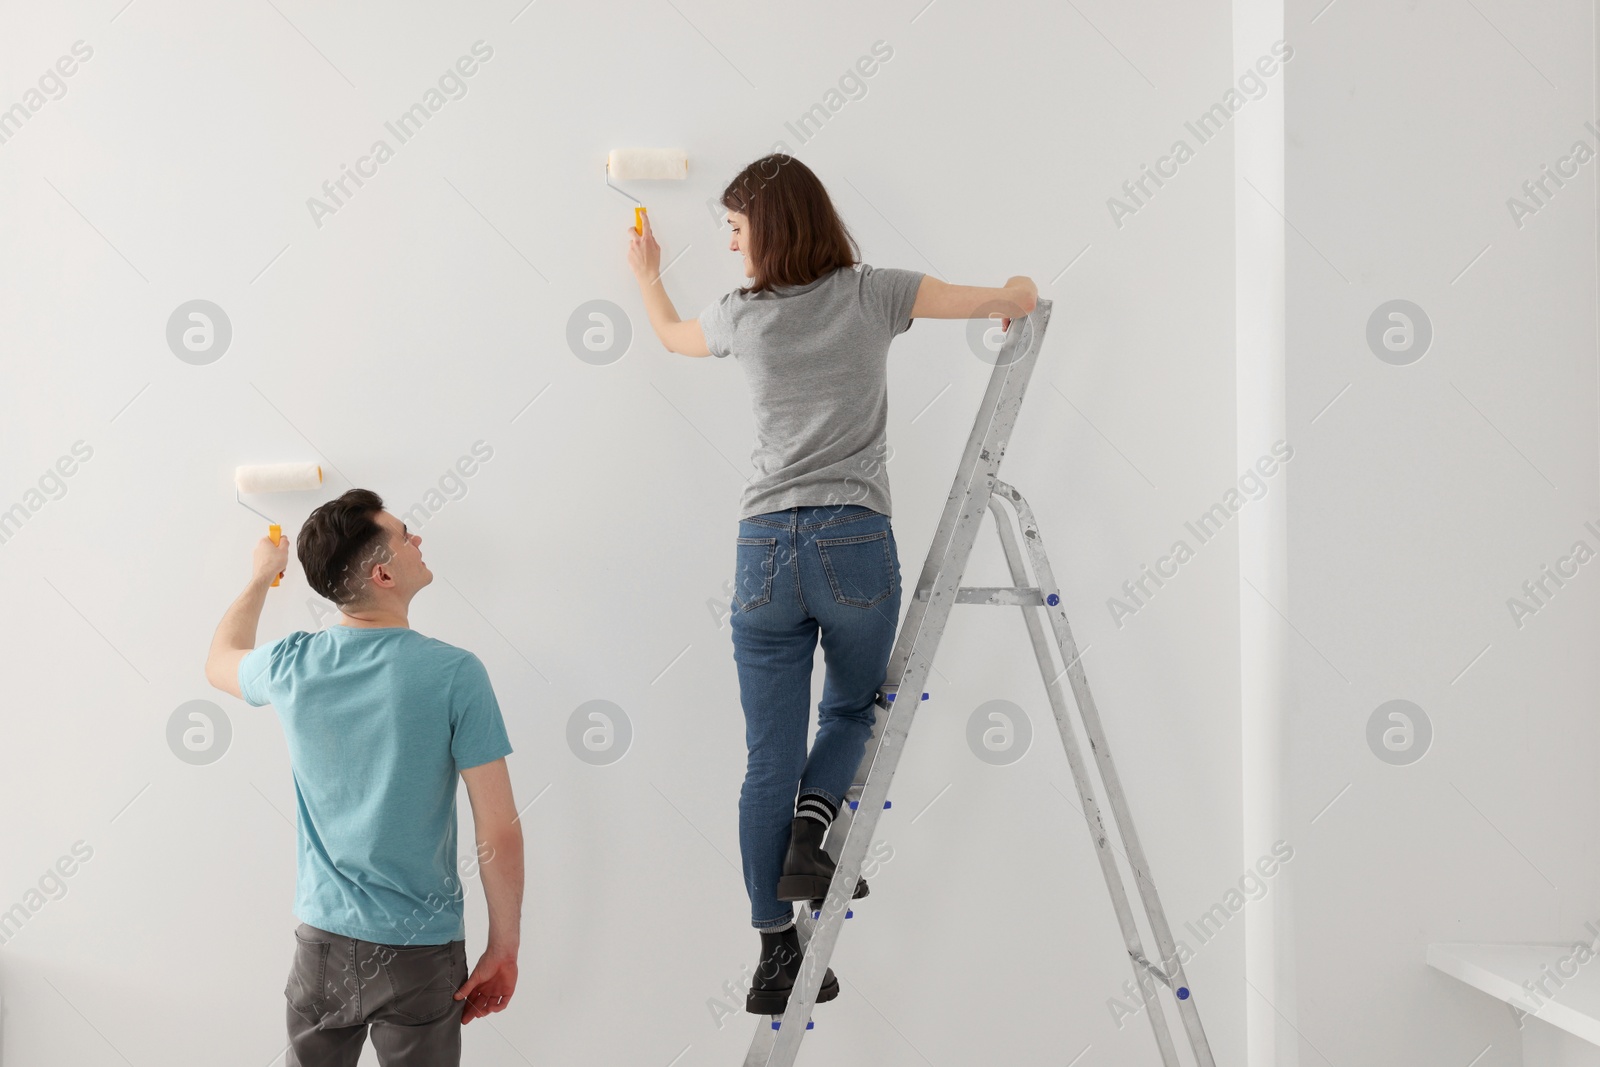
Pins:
x,y
831,571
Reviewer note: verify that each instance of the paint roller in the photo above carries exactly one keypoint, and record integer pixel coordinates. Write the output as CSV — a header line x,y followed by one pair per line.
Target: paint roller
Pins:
x,y
275,478
645,164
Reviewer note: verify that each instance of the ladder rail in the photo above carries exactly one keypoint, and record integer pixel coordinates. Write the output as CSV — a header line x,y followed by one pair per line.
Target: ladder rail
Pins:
x,y
991,431
1041,642
980,458
1089,715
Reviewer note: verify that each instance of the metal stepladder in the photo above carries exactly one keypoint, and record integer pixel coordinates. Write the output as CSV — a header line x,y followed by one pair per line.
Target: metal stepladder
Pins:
x,y
978,488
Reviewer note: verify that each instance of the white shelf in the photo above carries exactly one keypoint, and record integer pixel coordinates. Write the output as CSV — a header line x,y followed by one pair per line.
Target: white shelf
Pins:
x,y
1500,970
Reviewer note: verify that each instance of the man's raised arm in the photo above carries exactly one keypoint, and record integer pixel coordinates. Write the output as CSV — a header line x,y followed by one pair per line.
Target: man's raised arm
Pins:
x,y
236,634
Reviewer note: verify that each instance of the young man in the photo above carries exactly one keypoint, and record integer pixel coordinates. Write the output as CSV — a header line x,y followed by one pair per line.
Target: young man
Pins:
x,y
379,720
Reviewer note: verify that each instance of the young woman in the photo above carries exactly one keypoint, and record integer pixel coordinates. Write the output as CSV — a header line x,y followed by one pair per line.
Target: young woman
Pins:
x,y
815,556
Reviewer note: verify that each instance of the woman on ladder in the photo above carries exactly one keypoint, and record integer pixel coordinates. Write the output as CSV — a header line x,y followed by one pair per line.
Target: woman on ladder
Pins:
x,y
815,555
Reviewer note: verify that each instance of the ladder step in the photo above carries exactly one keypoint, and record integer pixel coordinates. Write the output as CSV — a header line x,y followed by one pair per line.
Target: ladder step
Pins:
x,y
856,803
848,914
1000,595
810,1025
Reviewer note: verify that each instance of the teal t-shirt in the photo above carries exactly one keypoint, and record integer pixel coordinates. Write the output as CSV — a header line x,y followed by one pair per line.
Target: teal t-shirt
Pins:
x,y
379,723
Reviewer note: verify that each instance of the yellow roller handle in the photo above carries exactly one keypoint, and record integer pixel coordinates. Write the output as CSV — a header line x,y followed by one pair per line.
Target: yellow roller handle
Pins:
x,y
276,533
638,220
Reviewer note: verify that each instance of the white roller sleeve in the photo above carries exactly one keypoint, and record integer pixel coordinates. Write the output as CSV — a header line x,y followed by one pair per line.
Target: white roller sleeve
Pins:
x,y
626,164
277,477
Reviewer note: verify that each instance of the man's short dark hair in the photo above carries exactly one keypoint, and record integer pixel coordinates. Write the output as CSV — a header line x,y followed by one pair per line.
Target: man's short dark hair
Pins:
x,y
339,544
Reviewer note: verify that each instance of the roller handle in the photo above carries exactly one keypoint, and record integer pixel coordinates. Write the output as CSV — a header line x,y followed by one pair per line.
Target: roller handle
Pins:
x,y
638,220
276,533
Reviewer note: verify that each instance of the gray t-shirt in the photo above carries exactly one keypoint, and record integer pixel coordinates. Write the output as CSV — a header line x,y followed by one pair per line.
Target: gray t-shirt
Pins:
x,y
815,357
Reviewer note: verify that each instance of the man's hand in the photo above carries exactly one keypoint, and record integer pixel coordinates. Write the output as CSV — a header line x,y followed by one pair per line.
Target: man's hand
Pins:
x,y
270,559
490,985
644,255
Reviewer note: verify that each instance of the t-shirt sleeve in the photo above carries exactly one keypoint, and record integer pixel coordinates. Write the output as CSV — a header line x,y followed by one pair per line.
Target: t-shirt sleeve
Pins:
x,y
893,293
477,732
716,323
264,671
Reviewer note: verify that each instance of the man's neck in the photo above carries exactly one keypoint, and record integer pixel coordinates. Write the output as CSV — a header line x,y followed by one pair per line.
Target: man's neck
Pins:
x,y
374,619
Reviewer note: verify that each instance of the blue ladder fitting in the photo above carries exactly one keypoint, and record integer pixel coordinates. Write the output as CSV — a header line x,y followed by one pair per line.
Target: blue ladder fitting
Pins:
x,y
891,697
810,1024
854,804
1052,600
1183,992
848,914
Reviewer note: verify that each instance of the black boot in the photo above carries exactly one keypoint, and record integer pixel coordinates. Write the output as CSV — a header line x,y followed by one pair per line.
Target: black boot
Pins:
x,y
776,974
807,867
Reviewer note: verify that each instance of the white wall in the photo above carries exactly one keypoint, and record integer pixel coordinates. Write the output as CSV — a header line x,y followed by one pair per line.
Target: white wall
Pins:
x,y
428,311
1424,495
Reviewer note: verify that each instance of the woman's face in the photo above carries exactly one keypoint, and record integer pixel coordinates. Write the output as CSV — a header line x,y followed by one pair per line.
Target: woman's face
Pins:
x,y
739,241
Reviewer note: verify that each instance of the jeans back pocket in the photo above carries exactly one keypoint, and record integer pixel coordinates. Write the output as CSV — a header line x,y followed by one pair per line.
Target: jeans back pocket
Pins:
x,y
307,975
424,979
753,572
860,569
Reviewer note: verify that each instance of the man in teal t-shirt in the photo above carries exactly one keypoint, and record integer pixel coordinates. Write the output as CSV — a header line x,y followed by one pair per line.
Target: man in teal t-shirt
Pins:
x,y
379,721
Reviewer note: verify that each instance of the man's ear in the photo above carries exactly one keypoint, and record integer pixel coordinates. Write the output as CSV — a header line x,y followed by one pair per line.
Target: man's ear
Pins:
x,y
381,575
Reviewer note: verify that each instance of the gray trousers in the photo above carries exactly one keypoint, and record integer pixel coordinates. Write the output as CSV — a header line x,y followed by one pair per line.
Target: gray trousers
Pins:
x,y
339,986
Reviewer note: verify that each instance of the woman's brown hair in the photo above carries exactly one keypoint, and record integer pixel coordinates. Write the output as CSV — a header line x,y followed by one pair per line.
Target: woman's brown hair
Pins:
x,y
794,236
